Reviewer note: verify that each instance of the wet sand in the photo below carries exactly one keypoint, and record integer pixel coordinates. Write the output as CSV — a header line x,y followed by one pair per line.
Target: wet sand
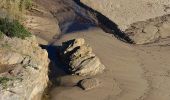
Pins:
x,y
132,72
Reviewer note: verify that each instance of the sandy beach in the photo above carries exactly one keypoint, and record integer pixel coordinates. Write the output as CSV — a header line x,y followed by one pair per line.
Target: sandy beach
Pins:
x,y
132,72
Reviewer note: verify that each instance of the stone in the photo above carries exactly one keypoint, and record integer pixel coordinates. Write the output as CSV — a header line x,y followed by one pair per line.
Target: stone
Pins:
x,y
68,80
24,67
149,34
81,51
76,62
80,59
74,43
90,67
149,31
9,58
90,83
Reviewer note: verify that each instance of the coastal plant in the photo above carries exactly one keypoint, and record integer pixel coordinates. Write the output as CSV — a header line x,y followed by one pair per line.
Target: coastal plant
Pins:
x,y
13,28
4,82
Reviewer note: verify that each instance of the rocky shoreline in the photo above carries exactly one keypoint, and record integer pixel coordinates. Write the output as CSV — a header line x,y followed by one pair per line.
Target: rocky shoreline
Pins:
x,y
24,74
71,55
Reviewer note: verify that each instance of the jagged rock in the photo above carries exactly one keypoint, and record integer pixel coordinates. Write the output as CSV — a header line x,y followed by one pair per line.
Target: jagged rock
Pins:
x,y
81,51
77,61
23,69
90,66
80,58
72,44
88,84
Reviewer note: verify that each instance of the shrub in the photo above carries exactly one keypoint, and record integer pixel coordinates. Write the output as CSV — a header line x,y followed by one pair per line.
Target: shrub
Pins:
x,y
13,28
4,81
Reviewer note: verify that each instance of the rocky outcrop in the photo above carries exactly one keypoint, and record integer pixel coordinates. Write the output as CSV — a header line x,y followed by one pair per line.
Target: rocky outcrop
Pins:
x,y
150,30
23,69
80,59
127,12
90,83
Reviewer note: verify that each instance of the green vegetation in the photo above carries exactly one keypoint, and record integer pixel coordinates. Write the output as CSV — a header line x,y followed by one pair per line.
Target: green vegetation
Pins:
x,y
10,18
4,82
13,28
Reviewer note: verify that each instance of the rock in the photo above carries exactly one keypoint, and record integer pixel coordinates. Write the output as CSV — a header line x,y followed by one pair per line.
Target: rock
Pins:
x,y
9,58
81,51
90,66
80,58
149,34
88,84
23,69
124,13
73,44
76,62
68,80
149,31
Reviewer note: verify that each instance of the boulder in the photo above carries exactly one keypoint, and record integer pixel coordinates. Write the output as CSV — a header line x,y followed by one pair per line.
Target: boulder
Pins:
x,y
149,31
9,58
68,80
90,83
80,59
23,69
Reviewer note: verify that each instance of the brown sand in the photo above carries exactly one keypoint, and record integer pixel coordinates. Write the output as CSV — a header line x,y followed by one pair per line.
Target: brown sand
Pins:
x,y
132,72
126,12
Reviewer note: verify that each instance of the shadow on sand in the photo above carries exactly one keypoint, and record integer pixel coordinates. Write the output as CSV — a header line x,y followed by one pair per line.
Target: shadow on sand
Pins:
x,y
75,26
